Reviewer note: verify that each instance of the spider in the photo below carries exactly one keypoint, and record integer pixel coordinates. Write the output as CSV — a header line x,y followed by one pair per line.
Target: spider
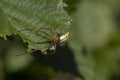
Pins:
x,y
53,42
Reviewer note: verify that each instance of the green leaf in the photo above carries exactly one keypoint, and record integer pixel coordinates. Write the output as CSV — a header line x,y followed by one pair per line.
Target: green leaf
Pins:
x,y
36,20
5,27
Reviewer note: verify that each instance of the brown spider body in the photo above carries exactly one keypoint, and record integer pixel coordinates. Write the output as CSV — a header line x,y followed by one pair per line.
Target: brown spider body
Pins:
x,y
54,41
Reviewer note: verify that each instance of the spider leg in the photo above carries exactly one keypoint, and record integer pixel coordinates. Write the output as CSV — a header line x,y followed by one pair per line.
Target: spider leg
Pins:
x,y
50,50
34,50
42,42
33,32
47,49
34,41
44,32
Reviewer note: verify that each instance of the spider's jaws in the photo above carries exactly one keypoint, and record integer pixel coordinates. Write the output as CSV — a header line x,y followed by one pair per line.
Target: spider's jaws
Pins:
x,y
64,37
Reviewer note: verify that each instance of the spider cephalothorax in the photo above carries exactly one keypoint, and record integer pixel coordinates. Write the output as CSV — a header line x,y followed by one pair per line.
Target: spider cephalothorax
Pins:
x,y
54,41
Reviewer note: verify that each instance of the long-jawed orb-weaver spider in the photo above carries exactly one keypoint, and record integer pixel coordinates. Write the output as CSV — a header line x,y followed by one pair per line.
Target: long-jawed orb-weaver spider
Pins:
x,y
53,42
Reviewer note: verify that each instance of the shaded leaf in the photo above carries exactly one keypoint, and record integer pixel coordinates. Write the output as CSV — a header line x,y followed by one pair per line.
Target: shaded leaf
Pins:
x,y
29,17
5,27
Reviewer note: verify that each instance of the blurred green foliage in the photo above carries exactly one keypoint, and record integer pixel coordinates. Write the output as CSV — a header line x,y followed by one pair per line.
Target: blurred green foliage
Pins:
x,y
92,51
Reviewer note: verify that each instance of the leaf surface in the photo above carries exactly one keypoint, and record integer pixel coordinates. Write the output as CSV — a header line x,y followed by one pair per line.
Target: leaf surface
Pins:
x,y
36,21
